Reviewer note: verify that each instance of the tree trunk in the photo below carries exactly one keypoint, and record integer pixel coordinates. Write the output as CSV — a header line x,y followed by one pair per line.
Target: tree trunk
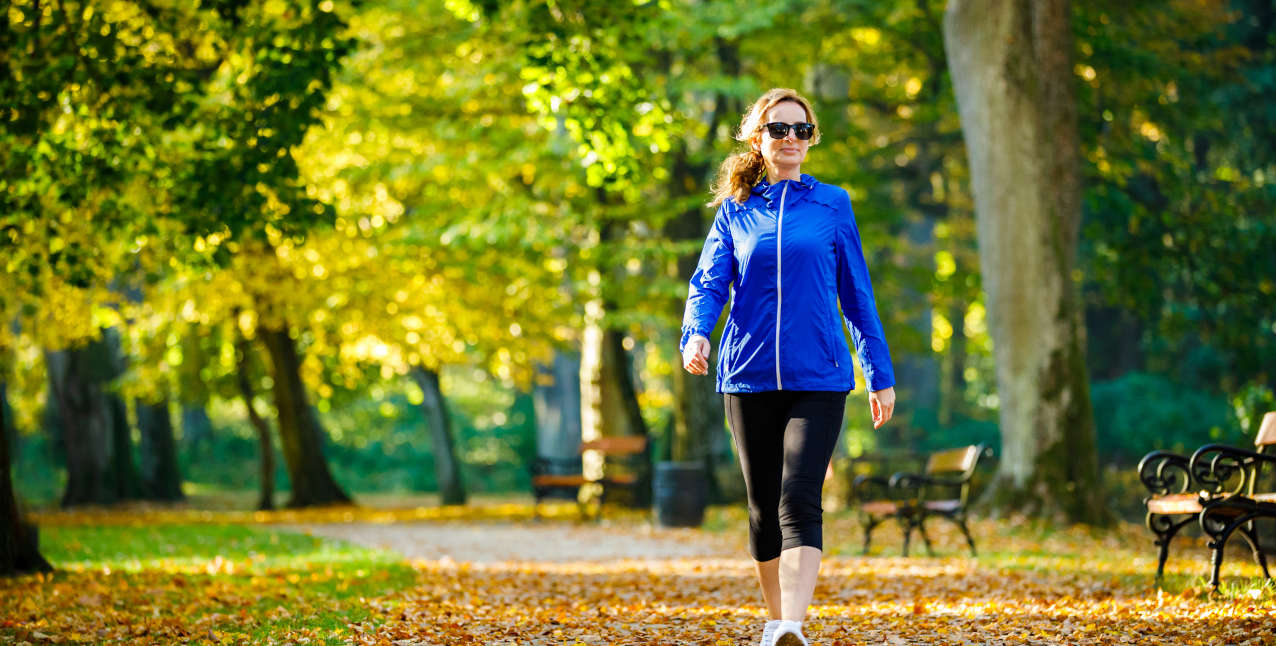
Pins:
x,y
161,477
916,373
302,438
608,401
19,543
1011,64
124,473
447,469
265,448
698,416
952,392
698,408
76,379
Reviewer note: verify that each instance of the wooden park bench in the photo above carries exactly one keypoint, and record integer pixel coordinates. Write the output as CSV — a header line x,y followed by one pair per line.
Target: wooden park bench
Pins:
x,y
561,477
942,489
1217,488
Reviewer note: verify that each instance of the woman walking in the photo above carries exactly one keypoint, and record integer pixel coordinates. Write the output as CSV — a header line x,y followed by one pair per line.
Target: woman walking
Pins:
x,y
789,248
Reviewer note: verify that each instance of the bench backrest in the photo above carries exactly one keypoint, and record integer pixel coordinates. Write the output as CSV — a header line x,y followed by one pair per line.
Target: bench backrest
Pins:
x,y
626,445
956,466
1267,432
954,461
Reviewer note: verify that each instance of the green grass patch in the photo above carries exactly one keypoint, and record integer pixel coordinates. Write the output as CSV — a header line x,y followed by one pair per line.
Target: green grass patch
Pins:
x,y
247,584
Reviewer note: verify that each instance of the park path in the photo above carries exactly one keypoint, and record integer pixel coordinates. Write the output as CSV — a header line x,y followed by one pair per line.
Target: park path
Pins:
x,y
531,584
493,542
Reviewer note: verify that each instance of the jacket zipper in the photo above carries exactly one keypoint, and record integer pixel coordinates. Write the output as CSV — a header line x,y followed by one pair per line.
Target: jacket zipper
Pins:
x,y
779,283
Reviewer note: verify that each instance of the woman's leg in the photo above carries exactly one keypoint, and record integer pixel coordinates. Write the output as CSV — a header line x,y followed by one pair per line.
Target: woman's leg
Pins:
x,y
769,581
799,567
757,424
815,420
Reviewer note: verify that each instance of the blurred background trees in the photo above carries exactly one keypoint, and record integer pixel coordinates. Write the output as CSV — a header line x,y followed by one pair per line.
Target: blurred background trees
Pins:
x,y
426,241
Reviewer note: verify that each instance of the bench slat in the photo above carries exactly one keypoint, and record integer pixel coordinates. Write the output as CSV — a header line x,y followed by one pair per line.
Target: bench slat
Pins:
x,y
550,480
627,445
1267,433
952,460
1178,503
880,507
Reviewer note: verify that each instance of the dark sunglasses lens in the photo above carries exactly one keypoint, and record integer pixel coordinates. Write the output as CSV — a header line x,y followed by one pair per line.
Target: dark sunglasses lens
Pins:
x,y
803,130
777,130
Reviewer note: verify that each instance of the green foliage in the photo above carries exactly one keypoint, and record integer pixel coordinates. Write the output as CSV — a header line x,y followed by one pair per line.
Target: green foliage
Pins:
x,y
1178,227
1141,412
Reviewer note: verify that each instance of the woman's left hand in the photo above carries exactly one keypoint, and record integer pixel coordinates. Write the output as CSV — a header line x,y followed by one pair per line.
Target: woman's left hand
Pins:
x,y
882,405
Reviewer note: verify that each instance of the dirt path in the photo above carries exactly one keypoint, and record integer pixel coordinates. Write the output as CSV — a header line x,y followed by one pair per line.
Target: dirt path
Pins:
x,y
504,542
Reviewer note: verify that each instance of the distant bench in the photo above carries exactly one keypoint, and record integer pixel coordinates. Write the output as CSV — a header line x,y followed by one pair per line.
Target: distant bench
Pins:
x,y
552,477
942,489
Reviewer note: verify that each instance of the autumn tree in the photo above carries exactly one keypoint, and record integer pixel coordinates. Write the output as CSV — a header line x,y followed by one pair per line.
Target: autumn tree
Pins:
x,y
1012,70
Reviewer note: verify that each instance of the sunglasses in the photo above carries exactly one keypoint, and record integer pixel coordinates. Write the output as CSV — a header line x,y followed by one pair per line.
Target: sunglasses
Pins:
x,y
780,130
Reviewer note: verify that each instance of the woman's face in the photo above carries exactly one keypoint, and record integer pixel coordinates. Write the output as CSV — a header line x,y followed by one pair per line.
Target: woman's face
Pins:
x,y
789,152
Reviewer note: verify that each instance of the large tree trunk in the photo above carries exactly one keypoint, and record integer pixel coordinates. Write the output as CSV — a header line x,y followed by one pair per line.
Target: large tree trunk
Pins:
x,y
19,545
92,424
447,469
1011,64
608,396
161,477
266,450
302,438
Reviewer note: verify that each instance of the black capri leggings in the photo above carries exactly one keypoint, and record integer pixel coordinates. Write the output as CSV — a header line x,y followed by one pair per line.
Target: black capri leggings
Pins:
x,y
785,439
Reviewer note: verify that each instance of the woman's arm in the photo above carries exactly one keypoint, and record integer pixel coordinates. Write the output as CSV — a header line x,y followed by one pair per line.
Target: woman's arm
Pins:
x,y
708,291
855,292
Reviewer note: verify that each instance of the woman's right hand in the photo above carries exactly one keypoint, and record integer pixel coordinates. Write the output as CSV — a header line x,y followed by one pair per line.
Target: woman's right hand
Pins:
x,y
695,355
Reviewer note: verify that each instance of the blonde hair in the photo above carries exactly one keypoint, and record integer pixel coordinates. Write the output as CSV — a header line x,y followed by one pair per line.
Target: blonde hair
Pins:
x,y
740,172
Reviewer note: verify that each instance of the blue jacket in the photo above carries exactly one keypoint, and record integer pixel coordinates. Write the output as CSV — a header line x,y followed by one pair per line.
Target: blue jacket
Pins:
x,y
783,331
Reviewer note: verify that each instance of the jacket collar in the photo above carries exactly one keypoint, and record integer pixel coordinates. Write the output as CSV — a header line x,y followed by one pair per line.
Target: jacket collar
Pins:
x,y
772,192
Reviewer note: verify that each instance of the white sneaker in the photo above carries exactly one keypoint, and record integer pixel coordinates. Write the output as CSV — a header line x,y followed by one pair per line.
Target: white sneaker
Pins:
x,y
768,633
789,633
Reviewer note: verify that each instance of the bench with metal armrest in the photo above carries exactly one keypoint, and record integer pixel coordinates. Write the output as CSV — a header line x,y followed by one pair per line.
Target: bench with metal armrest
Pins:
x,y
1238,488
1217,488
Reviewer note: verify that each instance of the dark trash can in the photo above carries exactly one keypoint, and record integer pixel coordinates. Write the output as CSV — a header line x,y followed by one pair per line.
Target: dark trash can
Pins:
x,y
681,493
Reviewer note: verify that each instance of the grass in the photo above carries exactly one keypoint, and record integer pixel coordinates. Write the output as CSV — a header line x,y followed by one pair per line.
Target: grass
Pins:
x,y
235,582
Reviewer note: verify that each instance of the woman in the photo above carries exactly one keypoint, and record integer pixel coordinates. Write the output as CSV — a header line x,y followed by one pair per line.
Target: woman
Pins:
x,y
789,248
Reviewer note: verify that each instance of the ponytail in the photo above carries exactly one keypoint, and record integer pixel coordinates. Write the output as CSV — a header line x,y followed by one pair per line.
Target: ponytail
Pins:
x,y
737,176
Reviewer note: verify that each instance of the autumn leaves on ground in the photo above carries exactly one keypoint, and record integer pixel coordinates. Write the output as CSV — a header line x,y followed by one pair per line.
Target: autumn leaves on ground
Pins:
x,y
489,574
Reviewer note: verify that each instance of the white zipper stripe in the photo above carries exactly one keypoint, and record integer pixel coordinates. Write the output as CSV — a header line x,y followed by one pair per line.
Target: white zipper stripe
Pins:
x,y
779,285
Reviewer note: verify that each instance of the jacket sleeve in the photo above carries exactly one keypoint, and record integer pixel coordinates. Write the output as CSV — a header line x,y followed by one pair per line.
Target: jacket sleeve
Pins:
x,y
855,292
711,281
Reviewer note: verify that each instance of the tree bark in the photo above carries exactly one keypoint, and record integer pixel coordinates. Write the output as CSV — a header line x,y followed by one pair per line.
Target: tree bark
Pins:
x,y
1011,64
125,475
19,545
299,430
265,448
161,477
447,469
608,397
93,429
952,390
